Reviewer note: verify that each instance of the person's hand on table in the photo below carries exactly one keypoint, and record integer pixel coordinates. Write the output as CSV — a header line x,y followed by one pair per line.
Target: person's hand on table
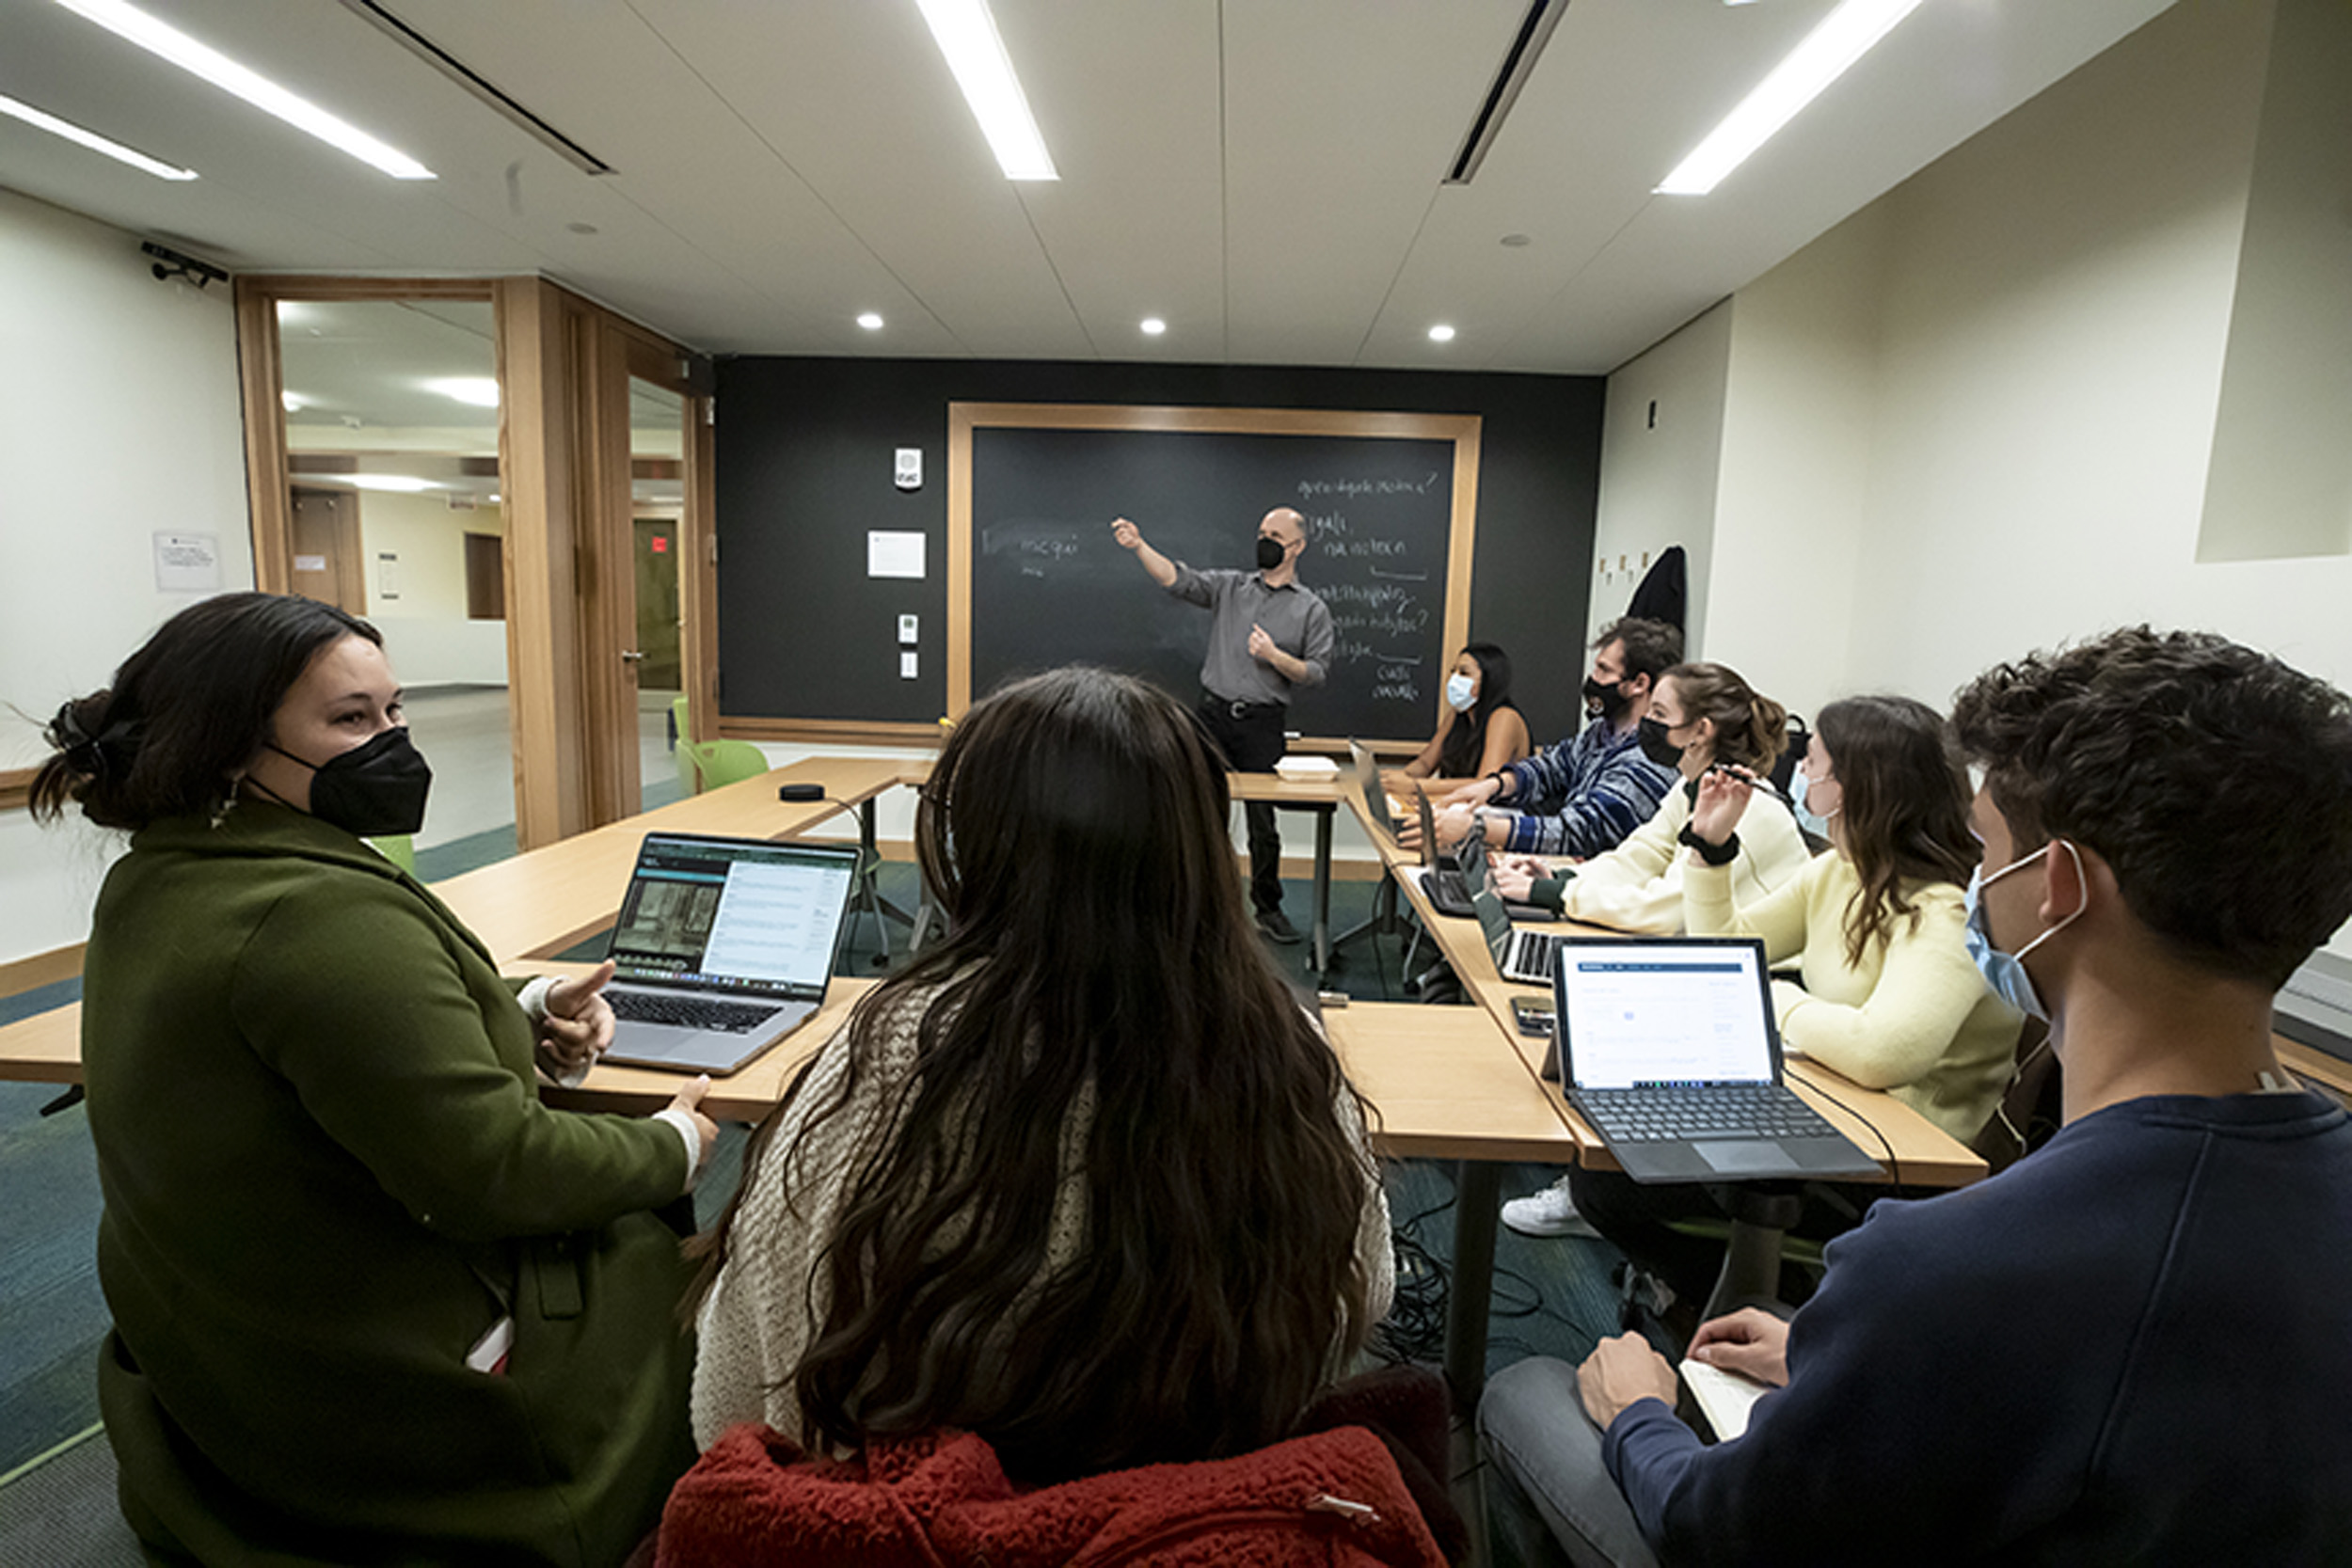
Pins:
x,y
577,1027
1723,794
1621,1371
1475,793
1456,823
1409,831
1514,875
1748,1341
1399,782
689,1100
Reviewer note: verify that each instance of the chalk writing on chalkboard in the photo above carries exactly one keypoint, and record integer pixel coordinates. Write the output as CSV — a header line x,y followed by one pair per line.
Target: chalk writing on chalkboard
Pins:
x,y
1050,585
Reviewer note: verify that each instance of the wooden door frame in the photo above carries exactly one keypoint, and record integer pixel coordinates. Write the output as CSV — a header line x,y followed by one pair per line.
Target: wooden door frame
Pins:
x,y
563,364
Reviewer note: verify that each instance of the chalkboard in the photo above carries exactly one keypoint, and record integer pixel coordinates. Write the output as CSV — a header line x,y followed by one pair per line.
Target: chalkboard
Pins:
x,y
1042,581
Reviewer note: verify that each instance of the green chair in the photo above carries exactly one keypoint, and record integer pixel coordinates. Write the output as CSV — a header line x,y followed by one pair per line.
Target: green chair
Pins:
x,y
399,849
721,762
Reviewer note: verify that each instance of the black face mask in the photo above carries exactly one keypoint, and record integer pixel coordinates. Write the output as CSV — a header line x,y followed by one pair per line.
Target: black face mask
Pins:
x,y
1650,735
1605,701
376,790
1270,552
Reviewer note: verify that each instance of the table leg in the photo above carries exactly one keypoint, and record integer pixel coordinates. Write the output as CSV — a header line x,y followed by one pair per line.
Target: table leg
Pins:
x,y
1477,1203
1323,889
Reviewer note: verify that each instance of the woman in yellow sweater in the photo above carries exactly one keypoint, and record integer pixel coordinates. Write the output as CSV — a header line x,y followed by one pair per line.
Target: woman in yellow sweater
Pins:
x,y
1890,997
1700,715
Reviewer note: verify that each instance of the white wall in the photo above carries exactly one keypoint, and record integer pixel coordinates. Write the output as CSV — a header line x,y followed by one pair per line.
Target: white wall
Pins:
x,y
427,635
1976,417
138,379
1659,479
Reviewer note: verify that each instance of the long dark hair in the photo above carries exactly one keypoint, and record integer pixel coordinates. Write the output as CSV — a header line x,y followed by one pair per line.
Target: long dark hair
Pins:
x,y
187,711
1099,972
1904,812
1466,742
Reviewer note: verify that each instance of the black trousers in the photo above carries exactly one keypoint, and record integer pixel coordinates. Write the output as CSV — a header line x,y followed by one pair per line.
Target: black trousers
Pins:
x,y
1250,735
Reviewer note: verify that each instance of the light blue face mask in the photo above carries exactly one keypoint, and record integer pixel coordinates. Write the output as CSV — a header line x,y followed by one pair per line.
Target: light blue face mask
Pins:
x,y
2005,973
1460,692
1810,821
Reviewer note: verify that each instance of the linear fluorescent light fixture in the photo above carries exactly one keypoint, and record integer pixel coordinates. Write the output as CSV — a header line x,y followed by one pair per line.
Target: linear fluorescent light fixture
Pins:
x,y
1844,37
1518,63
967,36
91,139
203,60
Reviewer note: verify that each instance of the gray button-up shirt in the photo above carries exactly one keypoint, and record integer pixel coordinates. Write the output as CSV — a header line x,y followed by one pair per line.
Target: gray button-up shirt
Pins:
x,y
1291,615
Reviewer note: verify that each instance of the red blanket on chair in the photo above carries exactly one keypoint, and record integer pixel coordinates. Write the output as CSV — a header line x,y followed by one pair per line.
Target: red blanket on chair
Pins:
x,y
941,1500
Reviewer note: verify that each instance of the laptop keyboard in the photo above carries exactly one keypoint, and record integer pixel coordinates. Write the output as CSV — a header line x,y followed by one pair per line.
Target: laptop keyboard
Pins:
x,y
1534,956
691,1012
1663,1115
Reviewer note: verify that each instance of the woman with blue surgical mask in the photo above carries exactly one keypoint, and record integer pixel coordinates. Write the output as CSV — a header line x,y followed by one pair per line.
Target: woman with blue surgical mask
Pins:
x,y
1479,729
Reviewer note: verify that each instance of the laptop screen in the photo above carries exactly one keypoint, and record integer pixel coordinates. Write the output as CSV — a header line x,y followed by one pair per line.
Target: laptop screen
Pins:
x,y
733,914
1375,800
1689,1010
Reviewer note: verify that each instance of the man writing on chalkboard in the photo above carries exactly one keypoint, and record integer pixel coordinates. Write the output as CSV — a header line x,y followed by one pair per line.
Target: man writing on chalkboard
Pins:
x,y
1268,634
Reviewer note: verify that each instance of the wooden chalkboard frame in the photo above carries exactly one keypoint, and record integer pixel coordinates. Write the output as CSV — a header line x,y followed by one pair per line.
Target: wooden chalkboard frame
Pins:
x,y
1462,430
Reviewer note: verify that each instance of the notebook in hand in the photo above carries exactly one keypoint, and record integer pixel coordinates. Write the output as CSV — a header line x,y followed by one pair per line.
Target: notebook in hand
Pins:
x,y
1669,1050
723,947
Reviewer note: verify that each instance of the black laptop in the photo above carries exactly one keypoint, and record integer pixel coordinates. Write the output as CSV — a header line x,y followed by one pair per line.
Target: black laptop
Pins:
x,y
1668,1048
723,947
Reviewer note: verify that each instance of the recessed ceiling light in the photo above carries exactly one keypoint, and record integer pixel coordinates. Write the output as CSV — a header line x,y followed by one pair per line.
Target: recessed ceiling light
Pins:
x,y
405,484
92,141
581,227
1153,327
976,52
1442,334
481,391
1514,241
225,73
1844,37
871,321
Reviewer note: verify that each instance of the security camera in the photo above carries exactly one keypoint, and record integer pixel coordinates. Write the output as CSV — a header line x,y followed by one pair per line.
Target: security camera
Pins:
x,y
172,263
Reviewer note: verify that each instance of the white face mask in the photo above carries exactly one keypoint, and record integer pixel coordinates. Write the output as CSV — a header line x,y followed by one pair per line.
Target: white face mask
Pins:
x,y
1460,692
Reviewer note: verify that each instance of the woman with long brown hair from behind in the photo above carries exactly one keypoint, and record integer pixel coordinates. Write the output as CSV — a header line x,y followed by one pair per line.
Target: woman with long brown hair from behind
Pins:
x,y
1082,1178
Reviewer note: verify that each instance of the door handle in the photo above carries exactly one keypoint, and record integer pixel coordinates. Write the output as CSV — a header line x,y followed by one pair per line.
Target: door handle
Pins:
x,y
630,655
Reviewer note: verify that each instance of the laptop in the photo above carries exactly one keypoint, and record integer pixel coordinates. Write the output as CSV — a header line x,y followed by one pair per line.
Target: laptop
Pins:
x,y
1521,955
1374,799
723,947
1439,880
1668,1048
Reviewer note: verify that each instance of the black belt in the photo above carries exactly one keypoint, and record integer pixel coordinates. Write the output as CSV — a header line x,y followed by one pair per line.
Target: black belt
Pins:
x,y
1234,708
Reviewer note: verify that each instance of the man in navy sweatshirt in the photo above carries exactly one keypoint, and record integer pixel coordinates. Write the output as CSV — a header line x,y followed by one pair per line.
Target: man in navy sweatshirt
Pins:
x,y
2132,1346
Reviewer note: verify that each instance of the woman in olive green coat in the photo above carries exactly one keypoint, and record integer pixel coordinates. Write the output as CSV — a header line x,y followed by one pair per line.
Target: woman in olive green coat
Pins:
x,y
373,1301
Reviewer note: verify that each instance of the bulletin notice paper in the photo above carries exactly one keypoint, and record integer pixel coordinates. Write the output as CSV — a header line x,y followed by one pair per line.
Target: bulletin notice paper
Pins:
x,y
890,553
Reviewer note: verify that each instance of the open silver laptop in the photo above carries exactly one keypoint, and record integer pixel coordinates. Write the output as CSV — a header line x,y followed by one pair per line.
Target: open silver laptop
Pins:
x,y
1668,1048
1520,954
1375,800
723,947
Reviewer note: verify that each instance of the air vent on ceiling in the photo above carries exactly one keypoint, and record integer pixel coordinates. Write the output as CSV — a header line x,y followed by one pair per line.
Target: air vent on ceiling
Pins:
x,y
1518,61
458,71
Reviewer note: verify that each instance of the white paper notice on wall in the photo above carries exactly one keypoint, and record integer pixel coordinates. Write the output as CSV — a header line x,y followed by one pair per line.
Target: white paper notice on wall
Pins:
x,y
893,554
906,664
187,562
387,574
309,564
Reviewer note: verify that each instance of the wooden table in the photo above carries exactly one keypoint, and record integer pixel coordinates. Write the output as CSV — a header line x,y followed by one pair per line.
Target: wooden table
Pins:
x,y
1322,797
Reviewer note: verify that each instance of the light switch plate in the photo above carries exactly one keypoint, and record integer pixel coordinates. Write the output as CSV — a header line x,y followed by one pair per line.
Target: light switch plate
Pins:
x,y
906,664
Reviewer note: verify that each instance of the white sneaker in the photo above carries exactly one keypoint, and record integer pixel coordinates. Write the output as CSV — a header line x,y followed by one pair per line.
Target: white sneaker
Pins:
x,y
1550,1212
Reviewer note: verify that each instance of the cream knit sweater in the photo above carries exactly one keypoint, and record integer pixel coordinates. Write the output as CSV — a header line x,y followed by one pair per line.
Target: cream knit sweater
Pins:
x,y
771,1297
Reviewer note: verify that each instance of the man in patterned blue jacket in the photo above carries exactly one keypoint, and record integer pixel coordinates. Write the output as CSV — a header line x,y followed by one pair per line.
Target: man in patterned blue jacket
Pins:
x,y
1584,795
